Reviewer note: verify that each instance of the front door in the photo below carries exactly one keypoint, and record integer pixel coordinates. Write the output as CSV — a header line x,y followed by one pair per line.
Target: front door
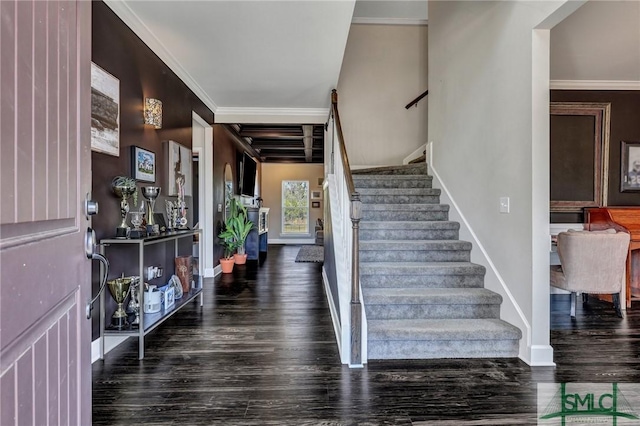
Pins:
x,y
45,161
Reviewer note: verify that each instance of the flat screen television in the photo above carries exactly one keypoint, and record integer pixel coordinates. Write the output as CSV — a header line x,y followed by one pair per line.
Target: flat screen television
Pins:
x,y
248,179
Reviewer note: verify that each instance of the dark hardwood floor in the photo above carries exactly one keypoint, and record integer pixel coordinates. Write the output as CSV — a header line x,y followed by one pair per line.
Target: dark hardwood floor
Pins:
x,y
262,351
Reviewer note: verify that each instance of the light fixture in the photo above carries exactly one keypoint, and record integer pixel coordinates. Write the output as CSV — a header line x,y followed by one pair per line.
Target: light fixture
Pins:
x,y
153,112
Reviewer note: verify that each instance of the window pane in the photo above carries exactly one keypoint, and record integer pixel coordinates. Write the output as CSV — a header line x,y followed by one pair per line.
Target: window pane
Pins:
x,y
295,207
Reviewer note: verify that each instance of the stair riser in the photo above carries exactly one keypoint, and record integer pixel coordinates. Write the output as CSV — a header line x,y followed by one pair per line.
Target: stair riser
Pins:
x,y
414,169
414,234
412,349
394,215
422,281
400,199
422,182
448,311
415,256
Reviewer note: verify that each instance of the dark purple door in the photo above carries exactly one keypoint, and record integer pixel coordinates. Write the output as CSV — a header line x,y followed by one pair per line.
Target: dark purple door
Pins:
x,y
45,172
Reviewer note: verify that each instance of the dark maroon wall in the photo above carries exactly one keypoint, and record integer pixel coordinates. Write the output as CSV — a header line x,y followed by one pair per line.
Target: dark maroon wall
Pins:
x,y
116,49
625,126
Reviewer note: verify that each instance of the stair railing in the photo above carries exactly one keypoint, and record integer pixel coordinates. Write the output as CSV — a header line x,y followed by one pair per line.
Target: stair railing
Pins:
x,y
351,207
416,100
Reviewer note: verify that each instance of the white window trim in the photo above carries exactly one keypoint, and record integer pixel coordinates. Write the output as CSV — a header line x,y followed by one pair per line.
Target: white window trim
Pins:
x,y
294,234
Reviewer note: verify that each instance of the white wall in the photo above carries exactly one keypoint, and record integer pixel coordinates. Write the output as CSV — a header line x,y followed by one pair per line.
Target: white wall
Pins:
x,y
481,98
384,68
600,41
272,177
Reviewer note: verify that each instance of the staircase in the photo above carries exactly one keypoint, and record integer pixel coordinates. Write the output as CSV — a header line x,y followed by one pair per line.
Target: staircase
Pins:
x,y
422,295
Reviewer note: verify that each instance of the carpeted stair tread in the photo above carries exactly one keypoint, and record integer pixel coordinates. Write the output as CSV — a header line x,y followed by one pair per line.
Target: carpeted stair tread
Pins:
x,y
442,329
420,168
411,245
408,225
366,177
399,191
431,296
413,268
406,207
392,181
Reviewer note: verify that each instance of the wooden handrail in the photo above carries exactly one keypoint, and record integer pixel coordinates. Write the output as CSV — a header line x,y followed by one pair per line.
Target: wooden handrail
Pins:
x,y
418,99
355,213
343,150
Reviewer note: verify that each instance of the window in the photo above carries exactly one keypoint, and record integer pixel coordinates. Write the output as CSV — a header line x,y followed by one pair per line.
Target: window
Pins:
x,y
295,207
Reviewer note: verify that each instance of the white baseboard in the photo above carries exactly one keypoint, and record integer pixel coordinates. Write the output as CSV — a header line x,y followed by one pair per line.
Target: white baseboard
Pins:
x,y
541,356
209,272
110,342
335,318
420,151
217,270
291,241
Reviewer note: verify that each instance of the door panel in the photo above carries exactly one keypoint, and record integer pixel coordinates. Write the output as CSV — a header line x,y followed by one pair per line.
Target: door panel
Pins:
x,y
45,340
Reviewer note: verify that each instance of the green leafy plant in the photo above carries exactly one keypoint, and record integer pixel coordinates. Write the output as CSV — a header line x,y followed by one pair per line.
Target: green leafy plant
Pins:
x,y
236,229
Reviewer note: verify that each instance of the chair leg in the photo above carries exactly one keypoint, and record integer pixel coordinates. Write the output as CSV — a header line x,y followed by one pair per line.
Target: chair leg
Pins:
x,y
616,304
585,297
573,304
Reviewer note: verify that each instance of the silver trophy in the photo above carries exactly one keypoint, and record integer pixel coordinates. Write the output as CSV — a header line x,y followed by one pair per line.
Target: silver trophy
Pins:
x,y
134,302
124,187
151,194
172,214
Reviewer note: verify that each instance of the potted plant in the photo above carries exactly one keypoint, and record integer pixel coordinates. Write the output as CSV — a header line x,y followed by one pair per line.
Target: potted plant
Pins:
x,y
239,226
228,244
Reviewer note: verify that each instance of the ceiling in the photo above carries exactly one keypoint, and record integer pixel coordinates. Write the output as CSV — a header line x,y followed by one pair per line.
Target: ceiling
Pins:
x,y
285,143
260,61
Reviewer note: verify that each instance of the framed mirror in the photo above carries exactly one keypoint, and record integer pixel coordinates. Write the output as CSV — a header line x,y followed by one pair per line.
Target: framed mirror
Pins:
x,y
228,188
579,151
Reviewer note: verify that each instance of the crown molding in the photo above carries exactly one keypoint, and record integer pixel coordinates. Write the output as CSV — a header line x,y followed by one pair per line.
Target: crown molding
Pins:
x,y
389,21
594,85
271,115
133,21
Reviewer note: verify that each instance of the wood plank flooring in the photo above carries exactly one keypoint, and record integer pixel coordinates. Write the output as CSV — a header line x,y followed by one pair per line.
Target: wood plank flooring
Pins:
x,y
261,351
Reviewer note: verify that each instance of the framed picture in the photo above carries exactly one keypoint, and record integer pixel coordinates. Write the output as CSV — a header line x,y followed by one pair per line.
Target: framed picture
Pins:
x,y
315,204
579,155
143,164
320,181
316,195
105,112
179,167
630,166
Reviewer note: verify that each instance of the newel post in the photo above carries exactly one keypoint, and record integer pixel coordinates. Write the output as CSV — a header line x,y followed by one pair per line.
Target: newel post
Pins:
x,y
356,307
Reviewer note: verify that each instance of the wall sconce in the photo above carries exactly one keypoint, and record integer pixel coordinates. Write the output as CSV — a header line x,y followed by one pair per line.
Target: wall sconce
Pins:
x,y
153,112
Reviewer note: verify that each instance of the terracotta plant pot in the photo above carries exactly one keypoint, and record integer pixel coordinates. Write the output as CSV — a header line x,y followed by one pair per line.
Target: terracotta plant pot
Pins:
x,y
240,259
227,265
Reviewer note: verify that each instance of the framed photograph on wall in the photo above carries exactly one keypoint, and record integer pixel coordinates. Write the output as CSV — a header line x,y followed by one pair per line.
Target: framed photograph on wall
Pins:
x,y
179,159
579,155
630,167
316,195
315,204
143,164
105,112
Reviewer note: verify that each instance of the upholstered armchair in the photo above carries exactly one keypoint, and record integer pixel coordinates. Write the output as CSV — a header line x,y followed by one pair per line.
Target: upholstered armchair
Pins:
x,y
591,262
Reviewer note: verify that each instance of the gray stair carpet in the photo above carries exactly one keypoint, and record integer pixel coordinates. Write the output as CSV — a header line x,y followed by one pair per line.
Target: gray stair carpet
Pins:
x,y
422,295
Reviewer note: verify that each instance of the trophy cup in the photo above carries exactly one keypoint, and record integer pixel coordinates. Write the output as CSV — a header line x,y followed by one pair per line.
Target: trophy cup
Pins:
x,y
124,187
134,302
136,221
181,205
119,289
172,214
151,194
